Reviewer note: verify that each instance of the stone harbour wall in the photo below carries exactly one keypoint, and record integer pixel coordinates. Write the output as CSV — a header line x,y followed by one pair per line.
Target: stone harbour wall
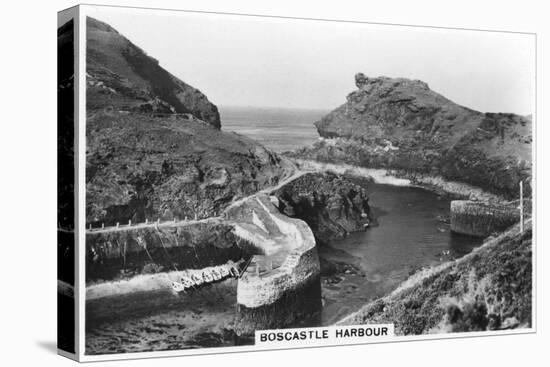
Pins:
x,y
118,253
282,285
481,219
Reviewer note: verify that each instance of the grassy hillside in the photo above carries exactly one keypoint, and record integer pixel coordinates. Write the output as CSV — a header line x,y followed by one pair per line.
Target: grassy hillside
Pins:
x,y
488,289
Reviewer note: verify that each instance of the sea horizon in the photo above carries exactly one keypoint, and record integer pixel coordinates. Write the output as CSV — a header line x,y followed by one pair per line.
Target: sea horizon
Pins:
x,y
278,128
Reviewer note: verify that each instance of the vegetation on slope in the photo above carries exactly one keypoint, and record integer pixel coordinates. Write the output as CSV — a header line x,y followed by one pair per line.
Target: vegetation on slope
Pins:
x,y
488,289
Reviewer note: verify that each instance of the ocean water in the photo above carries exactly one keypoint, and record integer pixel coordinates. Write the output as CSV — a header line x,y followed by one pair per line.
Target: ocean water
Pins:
x,y
280,129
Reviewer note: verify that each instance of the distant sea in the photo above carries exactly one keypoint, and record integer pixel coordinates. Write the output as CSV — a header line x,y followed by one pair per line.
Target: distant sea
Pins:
x,y
280,129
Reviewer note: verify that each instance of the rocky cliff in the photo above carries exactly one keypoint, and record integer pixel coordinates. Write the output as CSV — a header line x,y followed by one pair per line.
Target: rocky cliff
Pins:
x,y
402,124
154,148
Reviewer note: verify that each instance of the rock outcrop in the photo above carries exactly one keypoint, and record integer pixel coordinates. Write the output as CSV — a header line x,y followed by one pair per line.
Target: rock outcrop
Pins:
x,y
154,148
332,205
402,124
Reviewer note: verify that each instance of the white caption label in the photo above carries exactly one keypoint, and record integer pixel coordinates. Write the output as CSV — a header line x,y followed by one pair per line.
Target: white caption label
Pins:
x,y
330,335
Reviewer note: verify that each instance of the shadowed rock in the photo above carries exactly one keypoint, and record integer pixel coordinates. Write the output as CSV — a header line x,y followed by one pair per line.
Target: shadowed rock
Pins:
x,y
330,204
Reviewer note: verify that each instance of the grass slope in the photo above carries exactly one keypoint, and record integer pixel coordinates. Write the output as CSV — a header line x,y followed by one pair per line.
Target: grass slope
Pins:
x,y
488,289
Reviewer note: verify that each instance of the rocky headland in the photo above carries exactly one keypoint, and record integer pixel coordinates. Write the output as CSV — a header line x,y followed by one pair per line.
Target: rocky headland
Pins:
x,y
402,125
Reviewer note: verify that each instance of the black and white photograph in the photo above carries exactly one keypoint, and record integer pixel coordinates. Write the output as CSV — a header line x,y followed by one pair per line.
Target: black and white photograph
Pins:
x,y
223,178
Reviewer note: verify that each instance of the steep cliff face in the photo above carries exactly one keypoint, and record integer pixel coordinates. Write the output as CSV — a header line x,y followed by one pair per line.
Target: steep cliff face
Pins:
x,y
402,124
154,148
121,76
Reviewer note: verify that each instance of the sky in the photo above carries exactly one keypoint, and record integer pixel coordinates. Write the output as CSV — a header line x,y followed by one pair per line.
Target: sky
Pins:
x,y
296,63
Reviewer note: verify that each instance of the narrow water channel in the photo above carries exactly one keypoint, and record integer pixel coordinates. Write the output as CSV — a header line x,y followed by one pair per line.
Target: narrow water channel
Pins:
x,y
412,232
